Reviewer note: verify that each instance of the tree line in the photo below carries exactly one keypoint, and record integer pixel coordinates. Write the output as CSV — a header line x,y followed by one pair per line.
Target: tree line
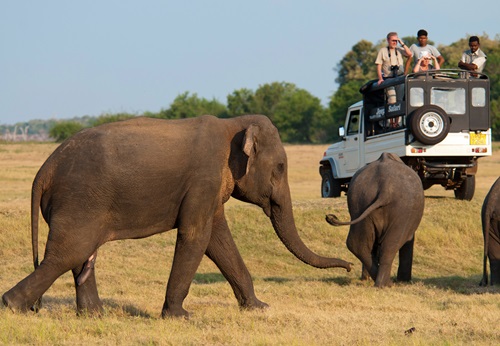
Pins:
x,y
299,116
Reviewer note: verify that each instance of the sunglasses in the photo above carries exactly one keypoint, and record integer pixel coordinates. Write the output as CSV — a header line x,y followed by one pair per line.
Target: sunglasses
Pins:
x,y
394,40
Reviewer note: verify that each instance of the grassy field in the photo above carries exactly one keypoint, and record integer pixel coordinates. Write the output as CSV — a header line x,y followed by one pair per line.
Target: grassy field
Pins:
x,y
442,306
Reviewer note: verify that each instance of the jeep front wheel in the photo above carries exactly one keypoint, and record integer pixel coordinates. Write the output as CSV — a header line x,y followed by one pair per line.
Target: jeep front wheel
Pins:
x,y
430,124
330,187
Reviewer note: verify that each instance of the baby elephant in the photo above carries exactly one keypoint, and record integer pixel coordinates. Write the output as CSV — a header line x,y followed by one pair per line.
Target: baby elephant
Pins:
x,y
386,203
490,217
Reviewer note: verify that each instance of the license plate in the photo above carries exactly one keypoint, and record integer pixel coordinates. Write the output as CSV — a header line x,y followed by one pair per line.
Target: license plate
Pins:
x,y
477,138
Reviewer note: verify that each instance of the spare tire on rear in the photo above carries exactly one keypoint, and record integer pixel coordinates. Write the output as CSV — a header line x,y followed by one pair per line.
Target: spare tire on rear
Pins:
x,y
430,124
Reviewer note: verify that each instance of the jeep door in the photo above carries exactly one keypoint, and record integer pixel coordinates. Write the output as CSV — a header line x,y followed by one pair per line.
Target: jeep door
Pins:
x,y
353,140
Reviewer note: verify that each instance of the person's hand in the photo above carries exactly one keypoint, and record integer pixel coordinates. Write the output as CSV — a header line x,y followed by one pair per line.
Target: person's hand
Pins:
x,y
380,81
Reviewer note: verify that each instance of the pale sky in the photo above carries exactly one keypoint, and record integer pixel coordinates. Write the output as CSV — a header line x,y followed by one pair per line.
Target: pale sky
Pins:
x,y
62,58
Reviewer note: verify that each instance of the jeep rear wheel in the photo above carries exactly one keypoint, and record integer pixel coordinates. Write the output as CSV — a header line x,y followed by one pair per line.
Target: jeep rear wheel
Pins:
x,y
466,190
330,187
430,124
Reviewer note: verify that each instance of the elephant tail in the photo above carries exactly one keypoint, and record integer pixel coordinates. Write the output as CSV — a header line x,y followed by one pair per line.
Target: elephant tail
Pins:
x,y
36,197
334,221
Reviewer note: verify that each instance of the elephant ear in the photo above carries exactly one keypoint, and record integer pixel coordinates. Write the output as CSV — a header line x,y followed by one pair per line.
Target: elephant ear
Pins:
x,y
250,144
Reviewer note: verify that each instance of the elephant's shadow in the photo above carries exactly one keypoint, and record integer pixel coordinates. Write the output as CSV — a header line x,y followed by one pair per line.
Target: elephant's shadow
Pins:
x,y
459,284
54,302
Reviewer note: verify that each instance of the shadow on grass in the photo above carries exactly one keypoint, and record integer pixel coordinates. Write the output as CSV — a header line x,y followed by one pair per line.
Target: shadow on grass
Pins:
x,y
459,284
128,309
341,281
439,197
51,303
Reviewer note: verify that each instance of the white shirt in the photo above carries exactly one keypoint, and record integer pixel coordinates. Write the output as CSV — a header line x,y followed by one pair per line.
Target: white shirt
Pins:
x,y
477,58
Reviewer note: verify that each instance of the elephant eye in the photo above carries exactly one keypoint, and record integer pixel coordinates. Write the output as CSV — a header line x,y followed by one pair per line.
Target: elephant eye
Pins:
x,y
281,168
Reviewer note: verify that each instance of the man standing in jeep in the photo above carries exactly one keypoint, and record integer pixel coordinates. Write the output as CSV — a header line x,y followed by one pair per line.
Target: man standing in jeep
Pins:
x,y
473,59
390,59
420,47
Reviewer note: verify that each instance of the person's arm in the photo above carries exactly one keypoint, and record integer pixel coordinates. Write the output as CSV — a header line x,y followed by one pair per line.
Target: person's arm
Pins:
x,y
407,65
466,66
440,59
437,65
417,66
379,73
406,48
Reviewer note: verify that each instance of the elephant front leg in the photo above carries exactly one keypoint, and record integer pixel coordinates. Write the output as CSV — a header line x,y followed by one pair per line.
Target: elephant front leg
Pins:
x,y
189,249
223,252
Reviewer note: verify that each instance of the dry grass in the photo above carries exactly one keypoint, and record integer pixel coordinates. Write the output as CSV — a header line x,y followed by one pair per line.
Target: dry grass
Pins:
x,y
309,306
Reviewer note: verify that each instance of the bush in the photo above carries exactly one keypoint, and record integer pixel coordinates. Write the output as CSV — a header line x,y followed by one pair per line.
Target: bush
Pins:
x,y
64,129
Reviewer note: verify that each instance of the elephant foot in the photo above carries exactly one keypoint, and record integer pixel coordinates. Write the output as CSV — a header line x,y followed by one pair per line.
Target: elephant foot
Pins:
x,y
174,313
91,311
15,303
404,278
253,305
383,283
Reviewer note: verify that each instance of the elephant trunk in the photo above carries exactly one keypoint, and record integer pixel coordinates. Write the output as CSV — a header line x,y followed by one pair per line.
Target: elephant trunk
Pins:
x,y
284,225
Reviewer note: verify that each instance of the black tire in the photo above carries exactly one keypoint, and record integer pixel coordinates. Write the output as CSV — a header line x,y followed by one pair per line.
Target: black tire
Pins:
x,y
466,191
427,185
430,124
330,187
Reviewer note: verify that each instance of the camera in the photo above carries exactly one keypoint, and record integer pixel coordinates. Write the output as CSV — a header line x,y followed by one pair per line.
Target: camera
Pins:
x,y
395,70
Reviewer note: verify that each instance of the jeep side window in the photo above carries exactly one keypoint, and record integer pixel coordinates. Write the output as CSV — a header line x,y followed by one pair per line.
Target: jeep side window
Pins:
x,y
353,128
478,97
416,97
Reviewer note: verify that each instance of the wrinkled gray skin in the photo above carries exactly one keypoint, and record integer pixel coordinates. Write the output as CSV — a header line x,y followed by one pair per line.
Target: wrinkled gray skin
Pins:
x,y
140,177
490,217
386,204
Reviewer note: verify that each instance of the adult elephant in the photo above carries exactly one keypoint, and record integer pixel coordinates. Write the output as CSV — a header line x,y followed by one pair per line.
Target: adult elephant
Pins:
x,y
490,217
386,203
140,177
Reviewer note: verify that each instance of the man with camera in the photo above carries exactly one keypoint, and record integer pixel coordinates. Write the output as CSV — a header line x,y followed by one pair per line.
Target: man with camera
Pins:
x,y
390,59
390,65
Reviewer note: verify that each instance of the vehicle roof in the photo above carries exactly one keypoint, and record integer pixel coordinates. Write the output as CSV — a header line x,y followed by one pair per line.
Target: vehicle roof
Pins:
x,y
451,74
357,104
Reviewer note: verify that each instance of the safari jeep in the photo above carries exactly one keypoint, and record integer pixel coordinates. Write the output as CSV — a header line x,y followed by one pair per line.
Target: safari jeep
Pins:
x,y
437,122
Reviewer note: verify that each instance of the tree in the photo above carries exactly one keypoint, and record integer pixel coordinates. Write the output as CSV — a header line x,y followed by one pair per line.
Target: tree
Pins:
x,y
295,115
358,64
240,102
109,118
64,129
189,106
268,96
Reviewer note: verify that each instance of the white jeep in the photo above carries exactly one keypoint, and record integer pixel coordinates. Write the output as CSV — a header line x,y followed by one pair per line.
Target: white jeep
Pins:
x,y
438,123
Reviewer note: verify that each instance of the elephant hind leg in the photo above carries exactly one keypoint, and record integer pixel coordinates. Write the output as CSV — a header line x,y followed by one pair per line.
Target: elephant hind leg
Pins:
x,y
361,242
223,252
406,261
387,255
26,295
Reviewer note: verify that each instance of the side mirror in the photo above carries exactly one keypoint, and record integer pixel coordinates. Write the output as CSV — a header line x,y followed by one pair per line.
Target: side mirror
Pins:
x,y
341,131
